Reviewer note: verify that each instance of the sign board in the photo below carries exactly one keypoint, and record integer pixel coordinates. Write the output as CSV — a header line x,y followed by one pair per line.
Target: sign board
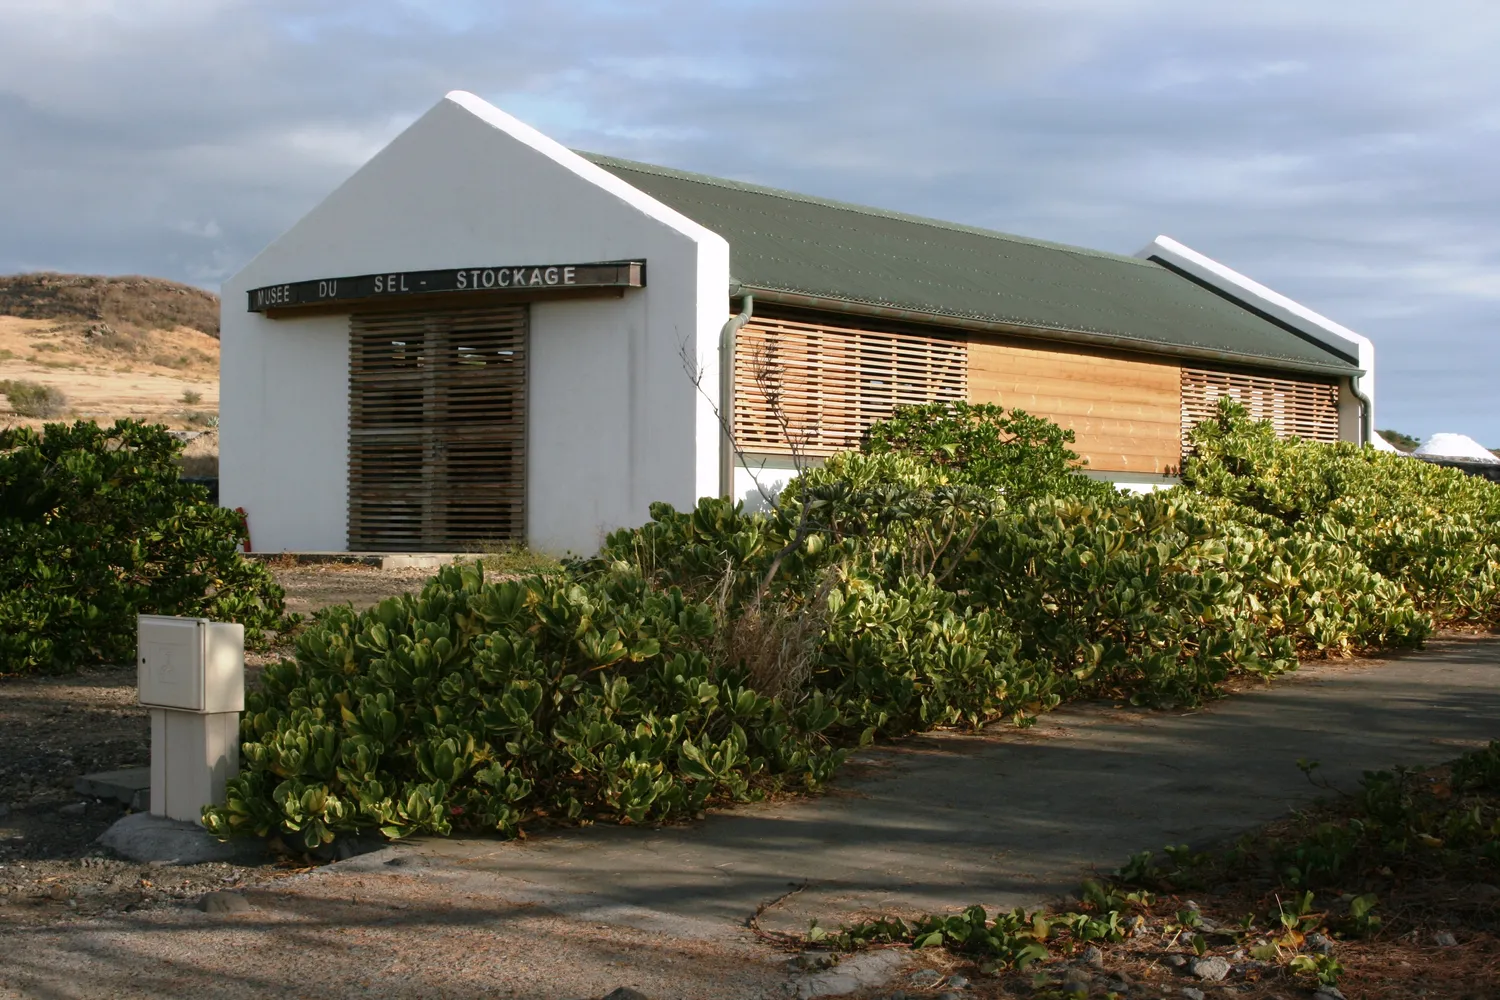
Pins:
x,y
397,284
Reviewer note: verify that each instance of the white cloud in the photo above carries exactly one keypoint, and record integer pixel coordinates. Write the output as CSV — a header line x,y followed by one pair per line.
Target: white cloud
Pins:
x,y
1338,152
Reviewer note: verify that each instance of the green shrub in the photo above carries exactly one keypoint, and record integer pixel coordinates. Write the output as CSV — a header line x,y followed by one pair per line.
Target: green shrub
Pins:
x,y
1433,532
955,572
980,444
478,706
33,399
96,527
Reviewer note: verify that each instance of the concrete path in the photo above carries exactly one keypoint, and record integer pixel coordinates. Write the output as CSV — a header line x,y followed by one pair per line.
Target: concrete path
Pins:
x,y
1009,817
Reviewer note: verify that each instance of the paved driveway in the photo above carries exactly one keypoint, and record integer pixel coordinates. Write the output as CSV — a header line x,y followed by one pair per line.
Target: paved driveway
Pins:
x,y
1016,817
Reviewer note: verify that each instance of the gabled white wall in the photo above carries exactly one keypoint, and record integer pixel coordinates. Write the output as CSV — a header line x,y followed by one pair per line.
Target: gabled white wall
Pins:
x,y
614,421
1315,325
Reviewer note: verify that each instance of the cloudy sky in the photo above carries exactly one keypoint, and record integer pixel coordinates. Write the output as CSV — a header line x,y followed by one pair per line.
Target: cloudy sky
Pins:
x,y
1343,153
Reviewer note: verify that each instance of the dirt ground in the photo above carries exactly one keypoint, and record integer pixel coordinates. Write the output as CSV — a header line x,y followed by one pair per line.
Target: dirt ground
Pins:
x,y
311,587
53,729
108,375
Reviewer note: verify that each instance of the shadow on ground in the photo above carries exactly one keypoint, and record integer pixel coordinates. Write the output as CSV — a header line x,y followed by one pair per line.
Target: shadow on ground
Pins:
x,y
1016,817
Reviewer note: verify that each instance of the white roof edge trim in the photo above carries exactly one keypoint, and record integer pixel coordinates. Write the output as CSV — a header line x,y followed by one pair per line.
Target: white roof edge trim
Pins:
x,y
569,160
1315,325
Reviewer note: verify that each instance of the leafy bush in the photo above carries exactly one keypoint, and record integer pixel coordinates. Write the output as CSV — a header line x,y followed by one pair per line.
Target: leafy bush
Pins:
x,y
95,528
1432,532
979,444
33,399
478,706
953,573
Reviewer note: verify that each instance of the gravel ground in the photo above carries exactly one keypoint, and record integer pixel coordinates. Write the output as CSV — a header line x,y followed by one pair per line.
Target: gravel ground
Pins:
x,y
311,587
54,729
341,934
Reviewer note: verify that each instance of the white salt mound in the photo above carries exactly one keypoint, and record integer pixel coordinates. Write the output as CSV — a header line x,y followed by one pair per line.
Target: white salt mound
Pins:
x,y
1381,444
1457,446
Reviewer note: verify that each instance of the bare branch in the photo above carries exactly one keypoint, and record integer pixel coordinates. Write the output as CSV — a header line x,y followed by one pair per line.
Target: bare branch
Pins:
x,y
694,369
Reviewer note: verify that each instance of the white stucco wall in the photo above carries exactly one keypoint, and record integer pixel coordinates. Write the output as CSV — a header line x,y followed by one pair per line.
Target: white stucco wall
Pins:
x,y
614,422
284,428
758,484
1133,482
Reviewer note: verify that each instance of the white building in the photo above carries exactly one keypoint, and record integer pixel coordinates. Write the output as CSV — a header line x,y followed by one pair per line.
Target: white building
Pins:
x,y
483,336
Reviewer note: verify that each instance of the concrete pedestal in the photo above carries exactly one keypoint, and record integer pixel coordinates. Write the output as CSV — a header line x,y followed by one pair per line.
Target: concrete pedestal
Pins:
x,y
193,754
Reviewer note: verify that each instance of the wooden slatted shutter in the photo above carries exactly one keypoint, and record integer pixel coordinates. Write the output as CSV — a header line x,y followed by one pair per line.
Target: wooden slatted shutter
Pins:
x,y
834,381
437,429
1302,408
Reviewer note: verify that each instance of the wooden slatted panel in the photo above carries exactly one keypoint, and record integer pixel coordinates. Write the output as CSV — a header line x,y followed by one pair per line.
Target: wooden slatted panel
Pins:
x,y
1302,408
1124,412
834,381
437,429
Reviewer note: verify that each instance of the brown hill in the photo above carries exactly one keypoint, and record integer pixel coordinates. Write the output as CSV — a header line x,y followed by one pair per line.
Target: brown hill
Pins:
x,y
106,348
127,304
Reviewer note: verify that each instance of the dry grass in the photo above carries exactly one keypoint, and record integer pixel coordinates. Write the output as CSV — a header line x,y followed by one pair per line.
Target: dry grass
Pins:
x,y
775,644
109,375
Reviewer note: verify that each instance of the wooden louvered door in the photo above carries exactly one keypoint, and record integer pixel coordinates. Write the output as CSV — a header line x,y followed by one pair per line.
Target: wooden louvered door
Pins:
x,y
1303,408
832,382
437,429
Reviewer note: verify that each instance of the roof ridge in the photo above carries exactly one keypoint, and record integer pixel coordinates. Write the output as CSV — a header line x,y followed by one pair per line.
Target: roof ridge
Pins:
x,y
708,180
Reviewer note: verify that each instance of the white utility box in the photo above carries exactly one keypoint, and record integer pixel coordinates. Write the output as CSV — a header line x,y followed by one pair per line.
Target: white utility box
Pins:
x,y
191,675
191,664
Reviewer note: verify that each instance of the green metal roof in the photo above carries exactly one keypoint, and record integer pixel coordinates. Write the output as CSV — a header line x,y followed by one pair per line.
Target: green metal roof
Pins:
x,y
812,248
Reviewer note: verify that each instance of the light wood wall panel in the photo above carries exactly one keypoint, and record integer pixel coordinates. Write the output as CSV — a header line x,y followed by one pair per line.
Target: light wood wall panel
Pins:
x,y
831,382
1305,408
1125,412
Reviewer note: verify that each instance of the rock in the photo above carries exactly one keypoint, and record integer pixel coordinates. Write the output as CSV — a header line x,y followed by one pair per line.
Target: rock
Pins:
x,y
349,845
221,901
161,841
926,977
958,983
625,993
1093,957
1328,993
58,892
4,810
1444,940
1190,993
950,995
858,972
1075,988
896,995
814,960
1212,969
1176,961
73,809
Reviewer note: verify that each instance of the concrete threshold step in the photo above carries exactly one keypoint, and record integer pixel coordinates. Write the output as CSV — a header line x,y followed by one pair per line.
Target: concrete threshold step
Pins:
x,y
130,786
380,560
